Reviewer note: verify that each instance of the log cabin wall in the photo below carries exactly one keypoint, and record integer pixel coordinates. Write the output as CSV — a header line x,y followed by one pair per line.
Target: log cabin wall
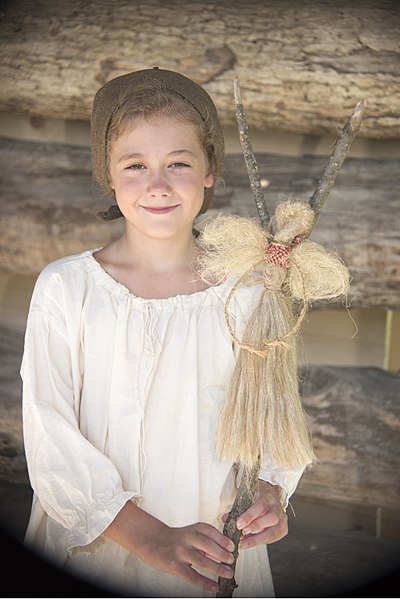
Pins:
x,y
302,67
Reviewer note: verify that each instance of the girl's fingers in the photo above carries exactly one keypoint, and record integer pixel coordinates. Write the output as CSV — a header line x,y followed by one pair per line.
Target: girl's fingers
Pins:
x,y
193,552
203,562
267,536
214,546
258,508
261,532
266,520
266,502
189,574
207,554
207,532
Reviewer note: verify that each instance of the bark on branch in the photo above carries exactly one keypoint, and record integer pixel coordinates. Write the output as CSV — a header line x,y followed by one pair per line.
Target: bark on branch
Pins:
x,y
244,500
250,160
336,159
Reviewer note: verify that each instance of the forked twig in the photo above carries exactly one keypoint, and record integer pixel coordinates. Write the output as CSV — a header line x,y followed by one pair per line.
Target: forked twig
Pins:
x,y
249,158
336,159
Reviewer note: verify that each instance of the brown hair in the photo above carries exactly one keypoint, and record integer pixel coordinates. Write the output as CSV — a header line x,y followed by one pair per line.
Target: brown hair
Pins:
x,y
146,94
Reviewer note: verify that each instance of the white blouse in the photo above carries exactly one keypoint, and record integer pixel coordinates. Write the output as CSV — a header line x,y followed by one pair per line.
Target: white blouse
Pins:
x,y
121,397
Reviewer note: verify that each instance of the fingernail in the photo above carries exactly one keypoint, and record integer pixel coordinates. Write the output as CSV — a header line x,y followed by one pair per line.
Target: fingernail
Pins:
x,y
246,531
228,573
240,524
231,546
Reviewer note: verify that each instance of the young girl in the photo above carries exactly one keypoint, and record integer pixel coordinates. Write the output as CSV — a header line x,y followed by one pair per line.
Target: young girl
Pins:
x,y
126,360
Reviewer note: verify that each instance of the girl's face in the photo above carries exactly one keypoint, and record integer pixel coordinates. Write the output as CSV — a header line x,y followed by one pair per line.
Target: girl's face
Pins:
x,y
158,170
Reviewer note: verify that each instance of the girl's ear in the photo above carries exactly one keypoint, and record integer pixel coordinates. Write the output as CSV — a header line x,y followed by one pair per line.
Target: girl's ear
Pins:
x,y
209,180
210,177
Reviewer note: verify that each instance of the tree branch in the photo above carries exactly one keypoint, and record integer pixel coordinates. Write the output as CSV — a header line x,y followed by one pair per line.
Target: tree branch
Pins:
x,y
244,500
251,164
248,484
336,159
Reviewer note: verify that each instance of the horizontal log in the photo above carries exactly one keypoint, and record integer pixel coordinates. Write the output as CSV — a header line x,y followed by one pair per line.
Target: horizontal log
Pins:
x,y
47,210
355,421
302,65
354,417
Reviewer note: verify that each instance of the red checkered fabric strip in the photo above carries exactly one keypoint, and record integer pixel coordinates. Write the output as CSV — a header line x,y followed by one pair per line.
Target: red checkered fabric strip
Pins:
x,y
277,253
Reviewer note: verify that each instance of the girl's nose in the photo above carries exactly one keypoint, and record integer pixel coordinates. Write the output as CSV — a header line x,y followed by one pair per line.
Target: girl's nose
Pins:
x,y
158,185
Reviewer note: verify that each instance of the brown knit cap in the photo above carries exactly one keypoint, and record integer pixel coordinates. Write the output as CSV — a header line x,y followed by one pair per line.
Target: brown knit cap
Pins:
x,y
107,100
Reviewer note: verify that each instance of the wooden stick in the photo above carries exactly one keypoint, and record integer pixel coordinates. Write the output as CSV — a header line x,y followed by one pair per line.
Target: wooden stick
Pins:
x,y
248,484
244,500
336,159
251,164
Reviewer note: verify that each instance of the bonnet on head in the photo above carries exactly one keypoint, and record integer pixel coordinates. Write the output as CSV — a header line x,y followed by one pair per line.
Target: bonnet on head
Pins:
x,y
107,100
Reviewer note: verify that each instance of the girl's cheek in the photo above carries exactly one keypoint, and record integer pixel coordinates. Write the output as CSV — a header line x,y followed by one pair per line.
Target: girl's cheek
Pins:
x,y
129,181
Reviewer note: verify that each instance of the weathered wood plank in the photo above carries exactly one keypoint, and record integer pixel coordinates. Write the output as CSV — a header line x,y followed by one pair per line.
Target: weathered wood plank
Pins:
x,y
47,210
47,206
355,420
302,65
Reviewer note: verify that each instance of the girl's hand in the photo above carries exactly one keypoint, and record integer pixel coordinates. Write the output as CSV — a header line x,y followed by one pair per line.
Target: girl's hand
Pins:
x,y
265,521
180,550
177,551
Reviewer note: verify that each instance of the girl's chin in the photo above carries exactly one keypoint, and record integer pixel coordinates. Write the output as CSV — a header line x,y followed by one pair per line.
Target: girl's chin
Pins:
x,y
160,231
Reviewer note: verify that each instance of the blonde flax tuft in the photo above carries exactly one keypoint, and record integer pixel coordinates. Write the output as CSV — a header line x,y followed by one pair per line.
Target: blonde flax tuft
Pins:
x,y
262,412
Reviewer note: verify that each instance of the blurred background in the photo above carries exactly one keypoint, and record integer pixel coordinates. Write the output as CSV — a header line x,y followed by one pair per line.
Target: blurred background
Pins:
x,y
303,66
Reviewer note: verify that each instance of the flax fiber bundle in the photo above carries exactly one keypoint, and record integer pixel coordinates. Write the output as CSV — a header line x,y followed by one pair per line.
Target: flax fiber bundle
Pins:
x,y
262,412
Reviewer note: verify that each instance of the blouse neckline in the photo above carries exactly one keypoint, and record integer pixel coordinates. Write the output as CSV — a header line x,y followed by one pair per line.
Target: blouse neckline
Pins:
x,y
114,286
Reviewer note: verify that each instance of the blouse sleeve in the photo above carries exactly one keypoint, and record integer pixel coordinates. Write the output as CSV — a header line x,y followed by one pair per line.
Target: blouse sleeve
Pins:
x,y
76,484
286,478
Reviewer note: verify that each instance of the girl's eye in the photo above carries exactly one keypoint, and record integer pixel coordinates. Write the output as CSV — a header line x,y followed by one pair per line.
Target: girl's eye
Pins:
x,y
136,167
179,165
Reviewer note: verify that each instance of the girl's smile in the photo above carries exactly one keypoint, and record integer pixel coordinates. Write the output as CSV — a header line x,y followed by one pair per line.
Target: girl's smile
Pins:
x,y
161,210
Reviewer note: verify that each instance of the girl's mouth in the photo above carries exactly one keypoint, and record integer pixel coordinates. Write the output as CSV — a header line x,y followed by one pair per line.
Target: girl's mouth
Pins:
x,y
160,210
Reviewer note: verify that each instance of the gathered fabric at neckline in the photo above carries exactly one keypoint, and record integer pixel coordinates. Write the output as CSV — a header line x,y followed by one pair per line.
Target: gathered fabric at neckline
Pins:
x,y
104,279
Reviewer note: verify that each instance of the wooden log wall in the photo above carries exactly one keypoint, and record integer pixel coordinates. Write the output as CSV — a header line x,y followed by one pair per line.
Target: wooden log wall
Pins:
x,y
48,210
355,421
302,65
